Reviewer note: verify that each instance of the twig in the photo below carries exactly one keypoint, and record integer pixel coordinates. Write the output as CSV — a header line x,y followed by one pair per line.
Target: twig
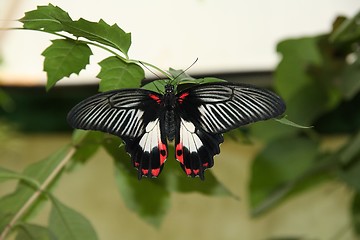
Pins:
x,y
36,194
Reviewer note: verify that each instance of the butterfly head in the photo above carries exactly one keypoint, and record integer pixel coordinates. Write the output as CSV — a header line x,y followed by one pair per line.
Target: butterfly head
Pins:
x,y
169,89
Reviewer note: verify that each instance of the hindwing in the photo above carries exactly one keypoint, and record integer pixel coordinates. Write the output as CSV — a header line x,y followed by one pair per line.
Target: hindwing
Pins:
x,y
195,148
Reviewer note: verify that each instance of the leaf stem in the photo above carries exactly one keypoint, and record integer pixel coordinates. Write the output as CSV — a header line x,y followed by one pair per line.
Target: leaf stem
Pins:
x,y
36,194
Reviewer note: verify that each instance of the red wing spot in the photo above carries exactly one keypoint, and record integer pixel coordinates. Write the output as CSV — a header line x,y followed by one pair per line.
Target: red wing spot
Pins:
x,y
188,171
155,172
154,97
163,152
145,171
196,171
179,153
137,164
205,164
183,96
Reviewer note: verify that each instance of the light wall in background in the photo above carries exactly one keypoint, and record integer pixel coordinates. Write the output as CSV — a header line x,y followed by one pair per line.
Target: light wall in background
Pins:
x,y
226,35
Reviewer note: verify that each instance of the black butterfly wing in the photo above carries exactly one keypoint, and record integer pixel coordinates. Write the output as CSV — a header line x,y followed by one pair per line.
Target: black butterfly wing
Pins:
x,y
134,115
220,107
208,110
195,148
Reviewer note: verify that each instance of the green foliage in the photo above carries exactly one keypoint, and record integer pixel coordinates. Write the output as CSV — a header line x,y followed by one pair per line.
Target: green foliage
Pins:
x,y
34,232
63,58
37,173
71,55
116,74
318,77
355,213
315,77
67,224
46,18
150,198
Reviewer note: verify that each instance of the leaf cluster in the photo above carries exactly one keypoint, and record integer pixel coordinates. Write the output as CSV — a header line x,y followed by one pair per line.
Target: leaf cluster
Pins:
x,y
71,53
318,77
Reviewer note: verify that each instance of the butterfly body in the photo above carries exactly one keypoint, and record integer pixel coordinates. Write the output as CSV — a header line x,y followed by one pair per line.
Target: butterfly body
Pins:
x,y
195,118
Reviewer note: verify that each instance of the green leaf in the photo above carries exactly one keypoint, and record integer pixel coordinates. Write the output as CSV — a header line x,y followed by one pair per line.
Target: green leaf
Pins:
x,y
349,158
6,174
151,201
200,80
291,73
117,74
147,197
68,224
350,84
180,75
307,104
351,174
351,151
6,102
39,171
156,86
48,18
159,85
175,180
54,19
33,232
101,32
87,143
307,77
348,30
286,121
270,130
355,213
63,58
281,161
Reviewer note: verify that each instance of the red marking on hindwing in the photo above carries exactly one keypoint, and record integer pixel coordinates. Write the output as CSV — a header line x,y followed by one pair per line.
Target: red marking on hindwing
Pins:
x,y
136,164
188,171
163,152
183,96
155,172
154,97
196,171
179,153
145,171
205,165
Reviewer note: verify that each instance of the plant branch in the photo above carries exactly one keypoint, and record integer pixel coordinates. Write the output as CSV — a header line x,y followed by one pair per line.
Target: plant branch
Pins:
x,y
36,194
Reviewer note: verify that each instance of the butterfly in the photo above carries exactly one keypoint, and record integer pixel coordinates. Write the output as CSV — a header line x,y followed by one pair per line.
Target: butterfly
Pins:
x,y
195,118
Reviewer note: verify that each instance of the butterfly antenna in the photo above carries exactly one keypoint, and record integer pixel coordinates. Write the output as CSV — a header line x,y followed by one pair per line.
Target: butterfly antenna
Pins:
x,y
185,70
153,82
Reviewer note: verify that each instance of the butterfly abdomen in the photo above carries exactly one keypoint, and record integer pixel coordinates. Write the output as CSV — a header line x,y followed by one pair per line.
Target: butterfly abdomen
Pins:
x,y
170,124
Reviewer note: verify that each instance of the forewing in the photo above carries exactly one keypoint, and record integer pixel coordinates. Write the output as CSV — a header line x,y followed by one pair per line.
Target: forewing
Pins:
x,y
135,116
220,107
195,148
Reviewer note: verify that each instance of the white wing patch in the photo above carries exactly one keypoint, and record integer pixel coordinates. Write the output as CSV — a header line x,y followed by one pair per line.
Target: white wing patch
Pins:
x,y
188,137
152,136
